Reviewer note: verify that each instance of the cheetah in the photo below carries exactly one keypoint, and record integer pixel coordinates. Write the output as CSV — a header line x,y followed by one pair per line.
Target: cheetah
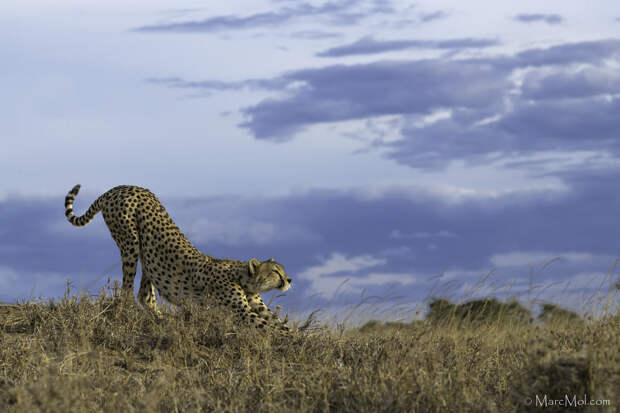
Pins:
x,y
143,230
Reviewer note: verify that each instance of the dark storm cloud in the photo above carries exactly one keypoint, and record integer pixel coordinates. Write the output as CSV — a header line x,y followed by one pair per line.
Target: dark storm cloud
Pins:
x,y
220,23
433,146
368,45
586,82
300,229
573,125
558,106
27,244
533,18
338,12
429,17
589,52
345,92
337,93
314,35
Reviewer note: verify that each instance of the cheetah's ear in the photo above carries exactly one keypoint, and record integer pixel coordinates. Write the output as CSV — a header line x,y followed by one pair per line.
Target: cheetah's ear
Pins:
x,y
271,260
254,264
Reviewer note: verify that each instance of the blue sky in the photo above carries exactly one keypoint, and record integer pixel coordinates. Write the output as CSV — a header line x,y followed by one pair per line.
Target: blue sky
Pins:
x,y
376,148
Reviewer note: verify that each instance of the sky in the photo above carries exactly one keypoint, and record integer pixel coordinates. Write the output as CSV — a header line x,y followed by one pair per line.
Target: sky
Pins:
x,y
385,152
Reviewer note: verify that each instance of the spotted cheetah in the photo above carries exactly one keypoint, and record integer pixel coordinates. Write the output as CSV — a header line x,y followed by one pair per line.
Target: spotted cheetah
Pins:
x,y
144,231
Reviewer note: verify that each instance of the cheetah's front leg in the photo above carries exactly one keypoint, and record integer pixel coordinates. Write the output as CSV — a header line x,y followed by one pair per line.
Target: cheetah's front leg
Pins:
x,y
241,306
260,308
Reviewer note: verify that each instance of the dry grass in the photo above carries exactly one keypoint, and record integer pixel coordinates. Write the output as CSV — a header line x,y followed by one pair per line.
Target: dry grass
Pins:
x,y
101,354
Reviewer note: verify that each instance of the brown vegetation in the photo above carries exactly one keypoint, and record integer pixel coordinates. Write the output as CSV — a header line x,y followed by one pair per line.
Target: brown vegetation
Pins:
x,y
102,354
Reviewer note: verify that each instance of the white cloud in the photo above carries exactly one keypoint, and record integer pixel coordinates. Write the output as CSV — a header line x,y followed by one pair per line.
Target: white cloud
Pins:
x,y
439,234
377,278
231,233
538,258
401,251
8,278
243,231
489,182
456,274
29,286
468,291
584,292
583,281
349,280
445,193
340,263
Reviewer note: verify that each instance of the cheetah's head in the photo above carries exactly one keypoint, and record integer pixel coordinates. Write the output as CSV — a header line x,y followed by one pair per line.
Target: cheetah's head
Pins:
x,y
268,275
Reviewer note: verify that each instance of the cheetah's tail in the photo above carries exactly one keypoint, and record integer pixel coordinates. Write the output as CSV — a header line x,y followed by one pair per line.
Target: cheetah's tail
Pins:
x,y
84,219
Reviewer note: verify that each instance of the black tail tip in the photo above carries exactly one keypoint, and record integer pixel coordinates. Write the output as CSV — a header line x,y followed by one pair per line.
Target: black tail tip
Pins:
x,y
75,189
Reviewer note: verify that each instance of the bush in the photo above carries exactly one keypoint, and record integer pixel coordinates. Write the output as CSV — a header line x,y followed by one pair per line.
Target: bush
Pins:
x,y
551,313
477,312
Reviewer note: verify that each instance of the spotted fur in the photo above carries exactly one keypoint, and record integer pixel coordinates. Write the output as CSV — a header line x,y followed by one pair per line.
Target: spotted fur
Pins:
x,y
144,231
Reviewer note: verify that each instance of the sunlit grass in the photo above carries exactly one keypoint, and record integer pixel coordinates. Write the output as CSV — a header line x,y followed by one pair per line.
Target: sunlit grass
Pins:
x,y
104,354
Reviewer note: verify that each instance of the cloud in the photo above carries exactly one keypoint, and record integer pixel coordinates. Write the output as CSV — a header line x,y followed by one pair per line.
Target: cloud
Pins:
x,y
586,52
314,35
218,85
440,234
339,274
429,17
582,83
368,45
242,231
477,88
346,92
376,238
536,100
16,285
584,282
220,23
538,258
338,263
382,7
491,111
587,292
534,18
337,12
588,124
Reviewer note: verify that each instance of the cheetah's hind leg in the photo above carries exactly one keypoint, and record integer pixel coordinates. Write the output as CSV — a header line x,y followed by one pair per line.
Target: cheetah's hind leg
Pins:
x,y
126,237
146,293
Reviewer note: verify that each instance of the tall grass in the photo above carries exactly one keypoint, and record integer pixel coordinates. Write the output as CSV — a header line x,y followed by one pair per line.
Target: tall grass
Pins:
x,y
105,354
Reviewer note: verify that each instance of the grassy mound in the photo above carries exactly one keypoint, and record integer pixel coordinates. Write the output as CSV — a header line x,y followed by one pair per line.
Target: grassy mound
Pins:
x,y
103,354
